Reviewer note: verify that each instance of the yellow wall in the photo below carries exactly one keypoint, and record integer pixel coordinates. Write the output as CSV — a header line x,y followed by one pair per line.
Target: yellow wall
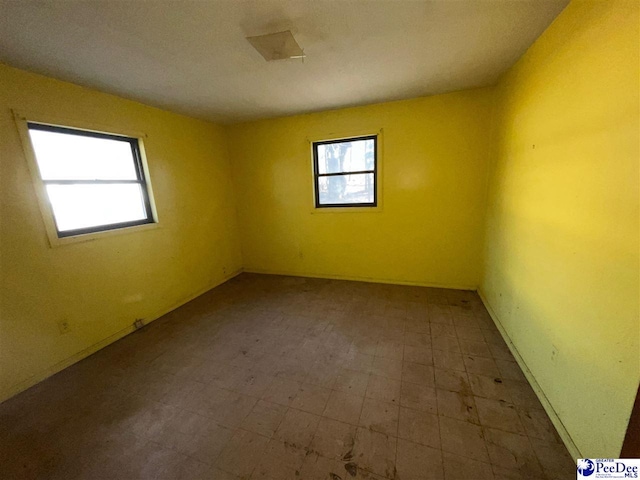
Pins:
x,y
433,183
562,239
561,234
100,287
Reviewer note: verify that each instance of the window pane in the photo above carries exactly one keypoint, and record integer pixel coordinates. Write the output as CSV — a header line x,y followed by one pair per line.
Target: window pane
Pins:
x,y
353,156
341,189
83,206
64,156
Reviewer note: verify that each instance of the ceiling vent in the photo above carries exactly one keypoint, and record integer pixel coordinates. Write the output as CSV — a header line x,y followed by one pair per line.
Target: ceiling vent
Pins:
x,y
277,46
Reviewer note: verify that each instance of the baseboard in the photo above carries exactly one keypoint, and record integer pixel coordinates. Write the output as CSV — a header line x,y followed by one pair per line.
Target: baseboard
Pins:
x,y
67,362
358,279
546,404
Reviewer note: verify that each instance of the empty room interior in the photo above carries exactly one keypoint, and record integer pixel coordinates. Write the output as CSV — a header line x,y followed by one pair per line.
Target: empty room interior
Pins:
x,y
319,240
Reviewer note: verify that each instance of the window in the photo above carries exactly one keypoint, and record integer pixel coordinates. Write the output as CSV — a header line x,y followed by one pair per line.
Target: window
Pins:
x,y
345,172
93,181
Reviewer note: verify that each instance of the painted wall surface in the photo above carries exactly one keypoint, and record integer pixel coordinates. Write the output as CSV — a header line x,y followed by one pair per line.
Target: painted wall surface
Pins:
x,y
100,287
561,262
433,181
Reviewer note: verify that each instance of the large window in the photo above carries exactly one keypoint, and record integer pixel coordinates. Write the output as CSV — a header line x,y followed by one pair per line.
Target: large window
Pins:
x,y
345,172
94,181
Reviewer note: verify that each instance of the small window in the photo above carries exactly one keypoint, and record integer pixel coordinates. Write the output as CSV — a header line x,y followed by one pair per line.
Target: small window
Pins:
x,y
94,181
345,172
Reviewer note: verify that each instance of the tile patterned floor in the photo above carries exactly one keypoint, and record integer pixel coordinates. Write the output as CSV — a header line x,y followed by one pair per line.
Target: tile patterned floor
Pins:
x,y
281,378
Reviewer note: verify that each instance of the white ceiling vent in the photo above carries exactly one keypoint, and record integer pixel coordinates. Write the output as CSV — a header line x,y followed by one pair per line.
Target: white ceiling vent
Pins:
x,y
277,46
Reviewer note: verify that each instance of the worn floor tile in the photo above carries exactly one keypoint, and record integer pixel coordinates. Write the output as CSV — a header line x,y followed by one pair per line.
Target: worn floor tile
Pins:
x,y
481,366
452,380
416,373
297,428
418,339
375,452
334,439
311,398
317,467
264,418
418,462
445,343
343,407
359,362
521,394
448,360
468,332
456,405
280,461
283,377
436,318
383,389
463,468
206,446
537,425
419,326
418,397
390,349
191,469
352,382
510,370
477,348
387,367
379,416
489,387
282,391
556,462
500,352
422,355
242,453
322,375
443,330
512,451
419,427
499,414
463,438
500,473
233,411
253,383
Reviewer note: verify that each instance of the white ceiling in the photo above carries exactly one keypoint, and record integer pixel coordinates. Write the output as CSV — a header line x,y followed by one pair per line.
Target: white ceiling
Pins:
x,y
192,57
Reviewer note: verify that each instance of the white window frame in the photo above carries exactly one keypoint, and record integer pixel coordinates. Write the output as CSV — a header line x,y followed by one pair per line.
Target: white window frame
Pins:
x,y
22,120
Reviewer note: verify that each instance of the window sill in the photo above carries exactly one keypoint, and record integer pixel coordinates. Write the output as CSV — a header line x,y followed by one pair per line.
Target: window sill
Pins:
x,y
376,209
55,241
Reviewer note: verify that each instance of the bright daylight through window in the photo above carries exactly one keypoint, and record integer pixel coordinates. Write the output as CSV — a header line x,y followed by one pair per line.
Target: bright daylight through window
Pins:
x,y
345,172
94,181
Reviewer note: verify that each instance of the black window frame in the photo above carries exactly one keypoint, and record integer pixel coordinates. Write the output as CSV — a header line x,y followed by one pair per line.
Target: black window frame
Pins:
x,y
140,179
317,175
